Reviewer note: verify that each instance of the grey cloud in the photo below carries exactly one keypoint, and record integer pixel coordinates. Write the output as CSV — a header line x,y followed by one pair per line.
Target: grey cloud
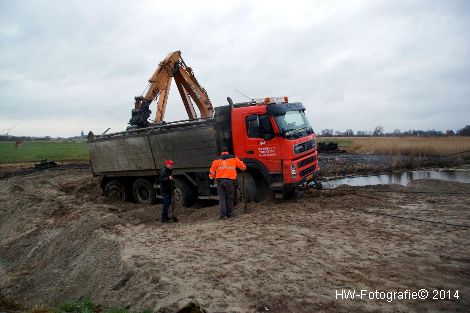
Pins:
x,y
402,64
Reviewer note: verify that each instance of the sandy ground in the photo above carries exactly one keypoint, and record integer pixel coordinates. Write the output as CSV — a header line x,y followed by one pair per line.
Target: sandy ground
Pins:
x,y
59,239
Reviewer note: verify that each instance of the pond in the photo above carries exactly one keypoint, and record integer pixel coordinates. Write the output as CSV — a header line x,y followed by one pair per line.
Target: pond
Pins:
x,y
401,178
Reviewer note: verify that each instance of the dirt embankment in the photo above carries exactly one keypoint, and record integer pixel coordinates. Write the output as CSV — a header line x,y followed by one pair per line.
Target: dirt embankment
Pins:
x,y
8,170
59,239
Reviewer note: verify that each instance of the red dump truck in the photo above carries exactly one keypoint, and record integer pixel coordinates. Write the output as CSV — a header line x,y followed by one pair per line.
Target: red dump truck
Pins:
x,y
271,135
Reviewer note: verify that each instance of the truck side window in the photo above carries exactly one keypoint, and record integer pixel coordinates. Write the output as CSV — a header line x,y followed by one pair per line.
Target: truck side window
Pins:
x,y
252,126
258,125
265,127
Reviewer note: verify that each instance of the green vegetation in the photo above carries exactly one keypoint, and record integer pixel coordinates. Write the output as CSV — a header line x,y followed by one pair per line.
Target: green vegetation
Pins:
x,y
343,143
33,151
116,310
86,306
80,306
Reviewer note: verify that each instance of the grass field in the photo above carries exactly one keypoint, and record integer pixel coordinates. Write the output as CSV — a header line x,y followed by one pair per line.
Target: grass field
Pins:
x,y
81,306
413,146
31,151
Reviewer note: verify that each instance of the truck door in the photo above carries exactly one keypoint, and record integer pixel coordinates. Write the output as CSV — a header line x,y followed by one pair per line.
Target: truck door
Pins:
x,y
261,142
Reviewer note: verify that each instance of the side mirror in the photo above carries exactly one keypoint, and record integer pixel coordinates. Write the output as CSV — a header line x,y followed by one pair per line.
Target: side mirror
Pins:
x,y
266,130
264,125
252,118
267,136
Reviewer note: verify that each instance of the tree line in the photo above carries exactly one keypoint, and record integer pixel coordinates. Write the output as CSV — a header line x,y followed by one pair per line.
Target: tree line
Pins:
x,y
379,131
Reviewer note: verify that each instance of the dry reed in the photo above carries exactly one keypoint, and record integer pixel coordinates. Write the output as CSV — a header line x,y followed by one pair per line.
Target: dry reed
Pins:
x,y
410,146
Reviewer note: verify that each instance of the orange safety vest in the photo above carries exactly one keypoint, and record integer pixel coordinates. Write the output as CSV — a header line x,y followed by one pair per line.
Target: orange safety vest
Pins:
x,y
226,167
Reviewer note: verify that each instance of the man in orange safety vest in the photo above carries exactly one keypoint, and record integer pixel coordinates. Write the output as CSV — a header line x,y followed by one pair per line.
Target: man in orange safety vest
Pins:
x,y
224,171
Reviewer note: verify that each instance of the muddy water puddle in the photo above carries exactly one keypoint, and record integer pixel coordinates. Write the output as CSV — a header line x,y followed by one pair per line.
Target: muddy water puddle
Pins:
x,y
401,178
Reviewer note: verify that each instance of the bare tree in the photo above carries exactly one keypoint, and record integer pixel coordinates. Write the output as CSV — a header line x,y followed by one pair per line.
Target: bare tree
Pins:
x,y
378,131
326,132
464,131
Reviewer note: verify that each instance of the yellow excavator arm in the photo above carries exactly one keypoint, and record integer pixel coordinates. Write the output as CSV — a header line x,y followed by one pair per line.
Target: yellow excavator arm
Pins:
x,y
173,66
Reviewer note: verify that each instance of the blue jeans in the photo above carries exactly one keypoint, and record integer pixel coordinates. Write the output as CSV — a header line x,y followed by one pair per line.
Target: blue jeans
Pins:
x,y
166,206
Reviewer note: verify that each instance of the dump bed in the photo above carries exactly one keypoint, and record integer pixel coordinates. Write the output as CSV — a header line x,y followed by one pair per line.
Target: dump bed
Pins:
x,y
191,144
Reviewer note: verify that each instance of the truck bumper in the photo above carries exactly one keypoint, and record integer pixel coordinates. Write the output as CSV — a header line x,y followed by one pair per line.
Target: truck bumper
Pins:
x,y
287,187
302,182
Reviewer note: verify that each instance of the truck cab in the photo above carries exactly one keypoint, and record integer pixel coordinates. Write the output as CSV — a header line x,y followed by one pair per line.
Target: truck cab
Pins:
x,y
274,138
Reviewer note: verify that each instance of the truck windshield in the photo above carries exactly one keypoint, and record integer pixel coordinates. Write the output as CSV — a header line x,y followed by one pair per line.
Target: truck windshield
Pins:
x,y
293,124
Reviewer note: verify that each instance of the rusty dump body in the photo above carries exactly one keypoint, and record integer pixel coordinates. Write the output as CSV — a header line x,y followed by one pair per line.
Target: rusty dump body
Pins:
x,y
191,144
129,162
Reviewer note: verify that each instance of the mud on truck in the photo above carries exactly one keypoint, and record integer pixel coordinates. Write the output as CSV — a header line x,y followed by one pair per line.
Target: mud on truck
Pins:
x,y
271,135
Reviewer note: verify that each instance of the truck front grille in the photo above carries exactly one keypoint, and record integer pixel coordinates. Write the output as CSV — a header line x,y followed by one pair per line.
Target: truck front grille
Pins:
x,y
304,146
306,161
307,171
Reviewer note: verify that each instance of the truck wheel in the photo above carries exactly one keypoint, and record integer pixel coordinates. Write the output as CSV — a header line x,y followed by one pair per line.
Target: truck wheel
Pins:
x,y
184,193
143,191
249,188
237,197
291,194
261,191
318,185
115,190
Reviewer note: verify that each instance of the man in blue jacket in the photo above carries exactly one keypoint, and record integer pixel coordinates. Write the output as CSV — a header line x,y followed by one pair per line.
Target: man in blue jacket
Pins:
x,y
166,186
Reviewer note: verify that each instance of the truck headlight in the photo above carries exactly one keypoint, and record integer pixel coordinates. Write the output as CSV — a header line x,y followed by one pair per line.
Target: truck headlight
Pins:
x,y
293,170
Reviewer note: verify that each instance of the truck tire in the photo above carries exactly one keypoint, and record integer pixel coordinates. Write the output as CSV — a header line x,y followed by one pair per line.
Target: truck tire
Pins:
x,y
143,191
291,194
318,185
249,188
184,193
261,190
116,191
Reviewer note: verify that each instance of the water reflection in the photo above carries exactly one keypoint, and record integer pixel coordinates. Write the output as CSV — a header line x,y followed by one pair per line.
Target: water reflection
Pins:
x,y
401,178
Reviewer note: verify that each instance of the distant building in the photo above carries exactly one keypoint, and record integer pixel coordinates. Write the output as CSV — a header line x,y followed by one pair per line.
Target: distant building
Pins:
x,y
82,135
450,132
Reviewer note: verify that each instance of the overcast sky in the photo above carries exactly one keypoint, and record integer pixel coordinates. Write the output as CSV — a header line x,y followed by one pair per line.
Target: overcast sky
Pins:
x,y
72,65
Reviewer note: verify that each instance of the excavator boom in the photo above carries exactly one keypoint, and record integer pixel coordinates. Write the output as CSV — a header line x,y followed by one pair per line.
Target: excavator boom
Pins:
x,y
173,66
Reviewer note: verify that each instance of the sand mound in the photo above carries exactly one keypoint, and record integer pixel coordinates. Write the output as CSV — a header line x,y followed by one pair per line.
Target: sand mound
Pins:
x,y
60,239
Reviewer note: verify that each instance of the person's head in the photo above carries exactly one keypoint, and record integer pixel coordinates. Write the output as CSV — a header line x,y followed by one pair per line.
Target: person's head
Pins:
x,y
169,164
